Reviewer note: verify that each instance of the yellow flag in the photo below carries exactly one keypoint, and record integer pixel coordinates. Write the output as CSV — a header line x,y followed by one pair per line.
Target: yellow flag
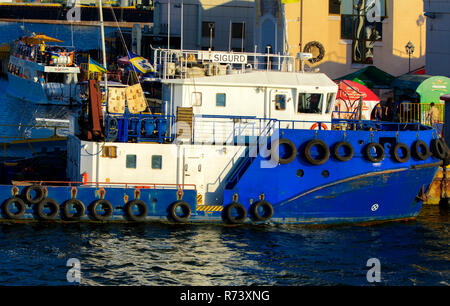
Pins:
x,y
289,1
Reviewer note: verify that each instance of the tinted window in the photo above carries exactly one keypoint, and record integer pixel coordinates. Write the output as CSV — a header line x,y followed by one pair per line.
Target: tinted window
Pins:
x,y
309,103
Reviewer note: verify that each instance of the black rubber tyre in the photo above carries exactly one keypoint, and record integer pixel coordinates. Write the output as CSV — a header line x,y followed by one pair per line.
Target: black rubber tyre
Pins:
x,y
39,194
227,216
401,147
143,210
274,151
39,209
172,212
267,211
308,48
439,148
77,205
379,150
420,150
19,203
105,205
345,145
322,159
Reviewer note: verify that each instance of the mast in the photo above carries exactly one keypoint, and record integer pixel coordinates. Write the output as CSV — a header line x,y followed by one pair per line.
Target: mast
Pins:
x,y
102,31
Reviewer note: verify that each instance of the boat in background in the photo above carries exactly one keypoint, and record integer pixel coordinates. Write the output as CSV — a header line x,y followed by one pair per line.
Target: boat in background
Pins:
x,y
42,73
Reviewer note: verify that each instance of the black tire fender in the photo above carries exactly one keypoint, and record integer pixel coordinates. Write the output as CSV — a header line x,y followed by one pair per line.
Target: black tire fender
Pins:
x,y
276,156
418,153
227,217
402,147
345,145
107,207
77,205
321,160
172,212
39,209
379,150
143,210
267,211
39,194
20,204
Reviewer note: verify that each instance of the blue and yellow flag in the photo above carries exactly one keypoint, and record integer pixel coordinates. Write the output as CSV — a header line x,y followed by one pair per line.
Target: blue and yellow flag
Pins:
x,y
95,67
139,63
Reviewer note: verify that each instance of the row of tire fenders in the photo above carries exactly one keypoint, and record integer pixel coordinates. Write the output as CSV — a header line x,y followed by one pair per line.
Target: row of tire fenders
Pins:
x,y
401,153
47,209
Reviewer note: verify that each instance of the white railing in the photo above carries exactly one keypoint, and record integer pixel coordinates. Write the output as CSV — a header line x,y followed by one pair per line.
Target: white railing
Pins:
x,y
195,63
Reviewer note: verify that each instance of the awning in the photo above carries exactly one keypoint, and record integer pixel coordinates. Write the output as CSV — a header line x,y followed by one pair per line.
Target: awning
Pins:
x,y
39,38
348,96
428,87
371,77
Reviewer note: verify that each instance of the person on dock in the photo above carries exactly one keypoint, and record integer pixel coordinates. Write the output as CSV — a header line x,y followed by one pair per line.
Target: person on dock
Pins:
x,y
378,115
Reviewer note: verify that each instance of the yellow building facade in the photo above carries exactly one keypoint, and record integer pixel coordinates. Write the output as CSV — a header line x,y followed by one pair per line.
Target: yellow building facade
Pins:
x,y
357,33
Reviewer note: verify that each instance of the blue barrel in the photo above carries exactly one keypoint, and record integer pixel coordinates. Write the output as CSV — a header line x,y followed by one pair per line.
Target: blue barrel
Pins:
x,y
149,127
133,126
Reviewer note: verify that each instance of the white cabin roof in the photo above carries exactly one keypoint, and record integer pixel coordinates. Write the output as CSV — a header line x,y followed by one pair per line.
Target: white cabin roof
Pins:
x,y
272,79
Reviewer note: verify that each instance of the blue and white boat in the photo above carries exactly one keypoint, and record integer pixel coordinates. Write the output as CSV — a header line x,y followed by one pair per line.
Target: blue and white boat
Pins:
x,y
239,140
43,74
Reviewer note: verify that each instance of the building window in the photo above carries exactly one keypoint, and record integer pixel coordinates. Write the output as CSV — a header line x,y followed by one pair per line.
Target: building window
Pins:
x,y
221,99
208,29
131,161
280,102
156,161
334,7
196,99
361,21
309,103
238,30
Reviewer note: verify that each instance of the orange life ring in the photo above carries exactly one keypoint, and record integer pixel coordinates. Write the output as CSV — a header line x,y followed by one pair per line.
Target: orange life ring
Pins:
x,y
316,125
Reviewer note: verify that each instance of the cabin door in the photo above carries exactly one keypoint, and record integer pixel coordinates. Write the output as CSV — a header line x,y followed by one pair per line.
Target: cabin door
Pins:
x,y
193,171
281,107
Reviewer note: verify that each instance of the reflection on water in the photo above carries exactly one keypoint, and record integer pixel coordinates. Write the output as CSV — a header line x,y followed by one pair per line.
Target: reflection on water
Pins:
x,y
411,253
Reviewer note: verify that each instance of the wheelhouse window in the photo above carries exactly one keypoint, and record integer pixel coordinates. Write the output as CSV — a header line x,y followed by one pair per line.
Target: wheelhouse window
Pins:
x,y
280,102
310,103
330,99
221,99
238,30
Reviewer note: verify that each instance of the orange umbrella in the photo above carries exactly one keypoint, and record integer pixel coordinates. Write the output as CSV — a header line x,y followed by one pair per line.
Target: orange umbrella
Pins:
x,y
40,38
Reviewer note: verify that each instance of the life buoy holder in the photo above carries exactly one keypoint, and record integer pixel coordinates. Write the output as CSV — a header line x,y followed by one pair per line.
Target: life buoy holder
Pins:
x,y
142,207
439,148
323,157
107,210
39,194
406,153
75,204
308,48
346,146
379,150
292,151
420,150
316,125
265,208
227,213
172,214
51,204
20,205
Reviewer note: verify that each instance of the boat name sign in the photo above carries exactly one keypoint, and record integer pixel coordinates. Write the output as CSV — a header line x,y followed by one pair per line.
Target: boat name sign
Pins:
x,y
224,57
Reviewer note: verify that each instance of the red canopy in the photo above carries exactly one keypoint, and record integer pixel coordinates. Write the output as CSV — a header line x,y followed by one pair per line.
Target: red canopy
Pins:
x,y
350,90
348,96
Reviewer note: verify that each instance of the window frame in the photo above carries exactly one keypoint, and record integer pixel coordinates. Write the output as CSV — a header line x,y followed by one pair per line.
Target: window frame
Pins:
x,y
154,161
310,94
127,161
276,100
330,6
